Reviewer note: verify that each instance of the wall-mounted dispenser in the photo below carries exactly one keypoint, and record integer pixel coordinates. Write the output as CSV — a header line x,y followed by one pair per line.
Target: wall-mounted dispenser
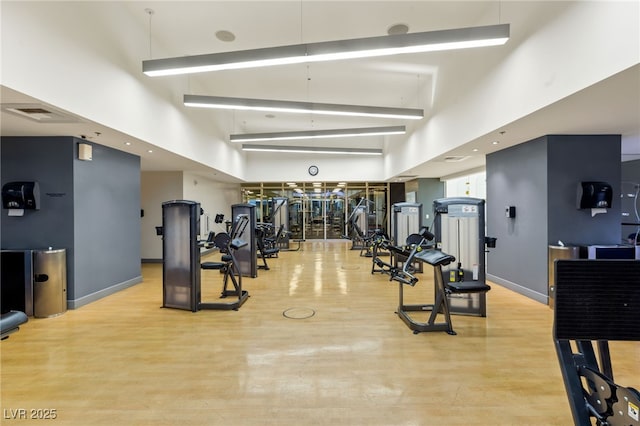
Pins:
x,y
20,196
596,196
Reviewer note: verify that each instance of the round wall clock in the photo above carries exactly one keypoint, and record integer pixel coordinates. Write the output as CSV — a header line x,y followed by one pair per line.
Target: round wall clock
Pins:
x,y
313,170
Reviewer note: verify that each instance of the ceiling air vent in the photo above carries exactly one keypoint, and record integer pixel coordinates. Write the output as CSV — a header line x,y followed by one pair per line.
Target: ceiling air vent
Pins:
x,y
455,158
39,113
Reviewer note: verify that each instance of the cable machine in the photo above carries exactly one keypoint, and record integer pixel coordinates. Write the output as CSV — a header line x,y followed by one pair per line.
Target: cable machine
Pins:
x,y
247,256
459,227
181,288
280,221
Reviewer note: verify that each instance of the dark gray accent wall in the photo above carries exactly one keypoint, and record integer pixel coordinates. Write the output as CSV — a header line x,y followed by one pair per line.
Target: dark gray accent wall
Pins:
x,y
107,221
50,163
573,159
518,177
540,178
427,190
630,182
89,208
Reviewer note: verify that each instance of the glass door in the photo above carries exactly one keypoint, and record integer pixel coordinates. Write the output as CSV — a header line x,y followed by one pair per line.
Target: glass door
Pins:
x,y
322,210
335,207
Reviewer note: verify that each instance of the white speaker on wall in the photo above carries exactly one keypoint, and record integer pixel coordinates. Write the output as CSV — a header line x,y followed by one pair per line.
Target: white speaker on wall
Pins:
x,y
85,152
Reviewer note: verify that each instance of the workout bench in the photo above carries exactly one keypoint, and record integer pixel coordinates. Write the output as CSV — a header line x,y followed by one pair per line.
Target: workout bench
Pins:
x,y
10,322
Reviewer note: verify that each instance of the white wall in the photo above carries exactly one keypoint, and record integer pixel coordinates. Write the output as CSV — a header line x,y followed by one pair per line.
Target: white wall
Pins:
x,y
158,187
214,197
283,167
584,43
472,185
84,57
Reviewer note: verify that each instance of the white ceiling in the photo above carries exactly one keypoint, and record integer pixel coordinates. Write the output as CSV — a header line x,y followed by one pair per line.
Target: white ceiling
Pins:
x,y
411,81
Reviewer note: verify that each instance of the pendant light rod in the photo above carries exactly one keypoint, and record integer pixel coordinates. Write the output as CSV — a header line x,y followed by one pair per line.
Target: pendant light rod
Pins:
x,y
221,102
315,134
458,38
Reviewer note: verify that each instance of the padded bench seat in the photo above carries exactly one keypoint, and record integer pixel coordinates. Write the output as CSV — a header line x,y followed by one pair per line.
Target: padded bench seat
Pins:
x,y
10,323
467,287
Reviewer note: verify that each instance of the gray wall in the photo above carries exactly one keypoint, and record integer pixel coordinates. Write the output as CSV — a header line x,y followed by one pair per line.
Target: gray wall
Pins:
x,y
574,159
89,208
427,190
630,179
107,223
540,179
518,177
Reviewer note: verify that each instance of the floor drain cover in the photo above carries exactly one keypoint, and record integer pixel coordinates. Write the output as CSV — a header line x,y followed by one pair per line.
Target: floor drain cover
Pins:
x,y
299,313
350,267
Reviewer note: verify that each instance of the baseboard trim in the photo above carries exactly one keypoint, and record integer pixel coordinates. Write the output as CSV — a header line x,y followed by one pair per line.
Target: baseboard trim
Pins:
x,y
538,297
85,300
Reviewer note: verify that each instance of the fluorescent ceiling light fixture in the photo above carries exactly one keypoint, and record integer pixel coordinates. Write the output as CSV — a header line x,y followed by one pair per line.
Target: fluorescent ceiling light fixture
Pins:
x,y
459,38
312,149
222,102
314,134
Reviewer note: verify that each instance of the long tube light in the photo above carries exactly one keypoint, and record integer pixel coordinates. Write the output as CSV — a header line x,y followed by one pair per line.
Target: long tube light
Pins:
x,y
459,38
221,102
313,134
312,149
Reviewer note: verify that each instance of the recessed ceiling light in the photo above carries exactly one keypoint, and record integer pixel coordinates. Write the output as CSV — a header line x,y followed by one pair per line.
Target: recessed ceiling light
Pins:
x,y
398,29
224,35
495,142
127,143
475,149
150,151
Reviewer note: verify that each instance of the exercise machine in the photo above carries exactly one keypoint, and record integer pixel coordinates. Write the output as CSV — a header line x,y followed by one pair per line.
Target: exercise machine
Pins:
x,y
247,256
459,227
280,222
228,246
406,220
181,255
358,227
266,243
10,322
380,244
181,276
596,301
404,276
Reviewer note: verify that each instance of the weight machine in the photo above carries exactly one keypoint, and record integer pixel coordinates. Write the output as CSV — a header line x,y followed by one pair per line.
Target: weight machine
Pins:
x,y
280,222
228,245
406,222
596,301
358,227
459,227
404,276
181,288
247,256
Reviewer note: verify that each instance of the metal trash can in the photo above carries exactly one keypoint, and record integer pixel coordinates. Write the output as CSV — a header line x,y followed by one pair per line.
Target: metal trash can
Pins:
x,y
555,253
49,282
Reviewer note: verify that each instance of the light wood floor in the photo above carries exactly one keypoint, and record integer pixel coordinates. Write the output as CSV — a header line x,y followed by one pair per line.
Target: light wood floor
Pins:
x,y
124,360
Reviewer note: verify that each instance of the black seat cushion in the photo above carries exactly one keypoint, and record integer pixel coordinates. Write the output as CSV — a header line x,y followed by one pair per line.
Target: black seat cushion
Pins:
x,y
468,287
212,265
